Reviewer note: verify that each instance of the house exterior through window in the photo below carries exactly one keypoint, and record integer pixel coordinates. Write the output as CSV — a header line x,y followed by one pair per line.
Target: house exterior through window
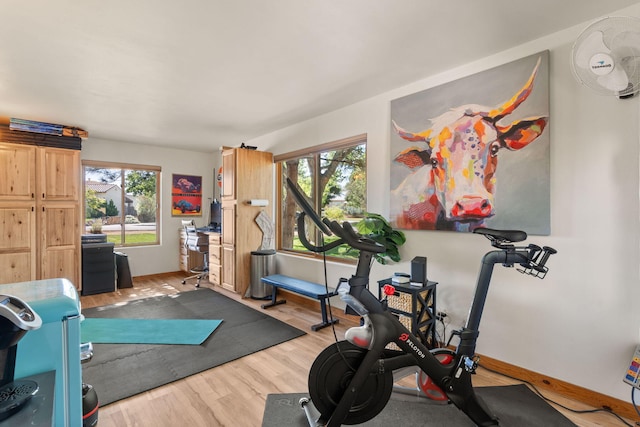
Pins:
x,y
120,200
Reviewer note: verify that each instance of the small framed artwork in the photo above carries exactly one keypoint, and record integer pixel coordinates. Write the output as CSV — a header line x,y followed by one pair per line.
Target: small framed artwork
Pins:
x,y
186,195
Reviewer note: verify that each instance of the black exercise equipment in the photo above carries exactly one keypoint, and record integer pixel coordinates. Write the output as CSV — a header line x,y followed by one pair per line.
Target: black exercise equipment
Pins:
x,y
351,381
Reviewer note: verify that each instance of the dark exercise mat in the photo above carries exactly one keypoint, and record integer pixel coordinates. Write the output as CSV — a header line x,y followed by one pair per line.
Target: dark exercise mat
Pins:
x,y
515,406
118,371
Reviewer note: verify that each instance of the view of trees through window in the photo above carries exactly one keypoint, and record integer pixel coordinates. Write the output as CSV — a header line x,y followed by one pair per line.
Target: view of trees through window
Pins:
x,y
121,202
333,179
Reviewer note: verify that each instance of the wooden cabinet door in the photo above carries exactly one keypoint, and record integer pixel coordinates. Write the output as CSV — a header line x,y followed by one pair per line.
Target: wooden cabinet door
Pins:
x,y
59,241
228,268
17,242
215,265
228,245
58,174
254,176
228,175
17,172
229,223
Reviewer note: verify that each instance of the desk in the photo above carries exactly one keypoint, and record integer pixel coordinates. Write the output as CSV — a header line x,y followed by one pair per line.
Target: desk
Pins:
x,y
415,307
189,259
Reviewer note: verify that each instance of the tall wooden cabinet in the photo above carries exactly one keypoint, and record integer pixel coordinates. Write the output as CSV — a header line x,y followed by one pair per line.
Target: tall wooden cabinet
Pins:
x,y
39,213
246,175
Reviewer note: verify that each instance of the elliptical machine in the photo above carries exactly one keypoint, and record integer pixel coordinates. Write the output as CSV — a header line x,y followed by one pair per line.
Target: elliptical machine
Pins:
x,y
351,381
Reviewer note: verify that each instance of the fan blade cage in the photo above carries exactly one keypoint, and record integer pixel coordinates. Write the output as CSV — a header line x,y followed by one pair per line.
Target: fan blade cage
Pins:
x,y
606,56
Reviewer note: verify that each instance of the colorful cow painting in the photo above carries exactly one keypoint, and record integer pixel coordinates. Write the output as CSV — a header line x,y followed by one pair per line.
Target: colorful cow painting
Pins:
x,y
451,184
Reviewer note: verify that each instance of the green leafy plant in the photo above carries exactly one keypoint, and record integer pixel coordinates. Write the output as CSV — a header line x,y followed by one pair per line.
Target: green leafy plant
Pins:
x,y
378,229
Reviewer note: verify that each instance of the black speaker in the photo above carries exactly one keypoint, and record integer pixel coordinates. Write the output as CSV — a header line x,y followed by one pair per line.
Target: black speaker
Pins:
x,y
419,269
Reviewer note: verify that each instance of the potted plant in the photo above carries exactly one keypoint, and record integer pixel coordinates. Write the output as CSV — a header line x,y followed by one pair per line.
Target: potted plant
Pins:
x,y
96,226
378,229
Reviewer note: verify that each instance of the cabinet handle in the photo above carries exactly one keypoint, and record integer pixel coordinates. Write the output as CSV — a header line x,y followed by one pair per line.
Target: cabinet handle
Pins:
x,y
43,195
33,195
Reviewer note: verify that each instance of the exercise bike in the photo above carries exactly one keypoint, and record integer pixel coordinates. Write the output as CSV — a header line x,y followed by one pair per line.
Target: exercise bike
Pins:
x,y
351,381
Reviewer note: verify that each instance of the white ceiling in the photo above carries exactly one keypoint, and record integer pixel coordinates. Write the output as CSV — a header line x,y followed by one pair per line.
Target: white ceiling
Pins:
x,y
205,73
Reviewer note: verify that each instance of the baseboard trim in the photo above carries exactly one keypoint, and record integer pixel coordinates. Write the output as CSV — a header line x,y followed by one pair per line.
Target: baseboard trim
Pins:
x,y
159,275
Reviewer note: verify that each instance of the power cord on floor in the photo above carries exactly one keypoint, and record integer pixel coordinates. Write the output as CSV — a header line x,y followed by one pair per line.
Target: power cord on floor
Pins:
x,y
575,411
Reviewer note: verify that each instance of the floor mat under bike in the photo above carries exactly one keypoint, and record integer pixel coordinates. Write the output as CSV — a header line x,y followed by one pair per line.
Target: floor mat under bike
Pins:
x,y
515,406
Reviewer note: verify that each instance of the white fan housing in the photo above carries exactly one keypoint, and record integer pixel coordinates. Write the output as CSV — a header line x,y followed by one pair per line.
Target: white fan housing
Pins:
x,y
606,56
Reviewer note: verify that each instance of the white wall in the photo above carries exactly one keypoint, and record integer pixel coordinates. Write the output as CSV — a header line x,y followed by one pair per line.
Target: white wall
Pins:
x,y
163,258
581,323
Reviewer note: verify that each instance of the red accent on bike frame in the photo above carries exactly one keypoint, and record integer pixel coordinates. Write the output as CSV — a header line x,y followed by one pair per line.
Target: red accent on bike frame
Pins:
x,y
428,387
361,342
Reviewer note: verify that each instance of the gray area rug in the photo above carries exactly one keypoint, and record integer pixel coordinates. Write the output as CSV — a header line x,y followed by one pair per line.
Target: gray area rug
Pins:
x,y
515,406
118,371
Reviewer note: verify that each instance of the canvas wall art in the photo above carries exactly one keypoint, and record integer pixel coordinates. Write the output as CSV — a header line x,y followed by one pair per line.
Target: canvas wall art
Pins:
x,y
474,152
186,195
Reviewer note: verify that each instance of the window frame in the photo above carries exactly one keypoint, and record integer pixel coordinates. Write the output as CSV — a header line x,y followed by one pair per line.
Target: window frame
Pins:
x,y
123,167
314,151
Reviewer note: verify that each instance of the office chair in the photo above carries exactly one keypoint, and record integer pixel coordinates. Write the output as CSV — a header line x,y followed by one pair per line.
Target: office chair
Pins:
x,y
197,242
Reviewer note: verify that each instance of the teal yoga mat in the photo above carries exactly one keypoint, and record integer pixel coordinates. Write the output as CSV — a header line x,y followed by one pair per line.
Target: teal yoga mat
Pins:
x,y
147,331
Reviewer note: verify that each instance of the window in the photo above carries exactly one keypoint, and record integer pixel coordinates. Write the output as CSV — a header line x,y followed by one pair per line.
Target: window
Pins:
x,y
333,178
120,200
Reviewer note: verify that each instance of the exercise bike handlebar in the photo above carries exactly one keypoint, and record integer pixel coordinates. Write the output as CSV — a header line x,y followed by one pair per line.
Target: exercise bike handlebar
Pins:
x,y
344,231
531,258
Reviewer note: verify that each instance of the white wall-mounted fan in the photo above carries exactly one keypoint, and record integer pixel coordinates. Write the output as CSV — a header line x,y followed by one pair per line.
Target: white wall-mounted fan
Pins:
x,y
606,56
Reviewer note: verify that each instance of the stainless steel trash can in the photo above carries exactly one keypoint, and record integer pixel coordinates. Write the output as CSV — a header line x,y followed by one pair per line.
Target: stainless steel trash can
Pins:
x,y
263,263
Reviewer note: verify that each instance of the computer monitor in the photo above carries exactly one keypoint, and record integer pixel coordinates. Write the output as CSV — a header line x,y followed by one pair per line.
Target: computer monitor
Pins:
x,y
216,215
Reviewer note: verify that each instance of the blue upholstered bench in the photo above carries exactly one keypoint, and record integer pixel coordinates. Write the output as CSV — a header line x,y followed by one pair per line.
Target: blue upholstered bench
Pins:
x,y
302,287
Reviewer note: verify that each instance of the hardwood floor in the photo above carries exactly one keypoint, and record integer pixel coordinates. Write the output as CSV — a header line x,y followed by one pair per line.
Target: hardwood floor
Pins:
x,y
234,394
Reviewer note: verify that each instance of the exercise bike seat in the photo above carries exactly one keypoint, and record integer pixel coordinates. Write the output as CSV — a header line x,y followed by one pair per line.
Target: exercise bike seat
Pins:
x,y
502,236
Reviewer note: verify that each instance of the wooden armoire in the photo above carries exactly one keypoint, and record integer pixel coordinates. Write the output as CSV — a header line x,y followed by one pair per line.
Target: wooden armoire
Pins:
x,y
40,212
246,175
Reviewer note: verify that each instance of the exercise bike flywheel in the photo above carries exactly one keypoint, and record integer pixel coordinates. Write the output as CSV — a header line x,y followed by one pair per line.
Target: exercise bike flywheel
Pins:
x,y
330,376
